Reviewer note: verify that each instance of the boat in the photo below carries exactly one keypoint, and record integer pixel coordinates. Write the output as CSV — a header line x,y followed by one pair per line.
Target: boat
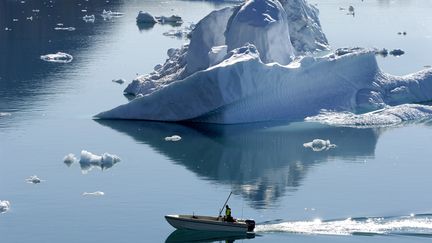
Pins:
x,y
209,223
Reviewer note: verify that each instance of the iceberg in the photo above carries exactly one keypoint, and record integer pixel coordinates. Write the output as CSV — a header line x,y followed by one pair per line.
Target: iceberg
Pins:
x,y
33,180
145,18
88,161
264,60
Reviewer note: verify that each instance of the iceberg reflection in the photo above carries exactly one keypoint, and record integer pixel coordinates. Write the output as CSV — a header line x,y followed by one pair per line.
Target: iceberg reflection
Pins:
x,y
260,161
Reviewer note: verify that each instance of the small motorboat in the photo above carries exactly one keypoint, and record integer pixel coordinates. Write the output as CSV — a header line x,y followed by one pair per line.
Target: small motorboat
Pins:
x,y
209,223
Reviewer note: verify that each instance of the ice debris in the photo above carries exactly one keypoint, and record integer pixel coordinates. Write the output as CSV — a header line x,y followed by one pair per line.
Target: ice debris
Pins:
x,y
59,57
70,159
65,28
145,18
4,206
89,18
180,33
88,161
96,193
319,145
110,14
173,138
397,52
119,81
3,114
34,179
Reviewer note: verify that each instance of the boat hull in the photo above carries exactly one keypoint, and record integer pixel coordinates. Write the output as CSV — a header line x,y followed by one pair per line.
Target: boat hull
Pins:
x,y
205,223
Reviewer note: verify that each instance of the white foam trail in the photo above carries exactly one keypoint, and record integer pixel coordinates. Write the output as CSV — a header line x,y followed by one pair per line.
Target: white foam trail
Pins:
x,y
391,115
417,225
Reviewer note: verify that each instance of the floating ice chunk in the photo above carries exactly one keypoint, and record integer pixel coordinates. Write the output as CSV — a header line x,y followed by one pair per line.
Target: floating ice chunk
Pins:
x,y
383,52
70,159
65,28
180,33
105,161
173,138
59,57
3,114
35,10
96,193
391,115
89,18
4,206
351,9
319,145
397,52
119,81
145,18
33,179
110,14
170,19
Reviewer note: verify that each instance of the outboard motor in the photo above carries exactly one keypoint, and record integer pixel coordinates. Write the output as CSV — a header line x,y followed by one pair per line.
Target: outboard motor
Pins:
x,y
250,224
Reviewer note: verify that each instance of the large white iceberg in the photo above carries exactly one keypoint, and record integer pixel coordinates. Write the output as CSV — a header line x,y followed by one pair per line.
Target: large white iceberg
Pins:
x,y
254,62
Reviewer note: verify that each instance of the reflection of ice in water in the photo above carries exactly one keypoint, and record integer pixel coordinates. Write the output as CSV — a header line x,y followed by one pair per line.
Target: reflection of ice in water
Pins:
x,y
318,145
88,161
59,57
4,206
418,225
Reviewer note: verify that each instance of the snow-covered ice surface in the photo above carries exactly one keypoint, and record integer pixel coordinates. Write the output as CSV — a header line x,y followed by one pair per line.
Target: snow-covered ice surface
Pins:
x,y
319,145
59,57
4,206
253,62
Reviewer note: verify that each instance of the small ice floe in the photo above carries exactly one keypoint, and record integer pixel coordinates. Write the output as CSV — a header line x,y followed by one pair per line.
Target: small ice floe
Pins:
x,y
33,180
145,18
3,114
173,19
59,57
89,18
110,14
105,161
30,18
70,159
173,138
84,10
119,81
35,10
7,29
96,193
15,20
397,52
402,33
65,28
4,206
318,145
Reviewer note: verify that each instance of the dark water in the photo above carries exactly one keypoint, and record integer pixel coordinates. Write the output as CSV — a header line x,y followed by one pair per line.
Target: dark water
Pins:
x,y
374,187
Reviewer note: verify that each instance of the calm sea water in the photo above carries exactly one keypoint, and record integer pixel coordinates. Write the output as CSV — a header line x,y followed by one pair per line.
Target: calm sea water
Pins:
x,y
374,187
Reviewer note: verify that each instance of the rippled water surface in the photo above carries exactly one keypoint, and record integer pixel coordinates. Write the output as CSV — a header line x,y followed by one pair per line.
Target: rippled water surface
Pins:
x,y
373,187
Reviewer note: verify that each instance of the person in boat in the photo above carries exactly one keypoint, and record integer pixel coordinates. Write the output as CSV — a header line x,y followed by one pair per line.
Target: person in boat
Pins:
x,y
228,216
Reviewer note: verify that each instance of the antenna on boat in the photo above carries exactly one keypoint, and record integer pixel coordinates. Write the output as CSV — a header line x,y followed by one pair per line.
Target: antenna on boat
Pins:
x,y
220,212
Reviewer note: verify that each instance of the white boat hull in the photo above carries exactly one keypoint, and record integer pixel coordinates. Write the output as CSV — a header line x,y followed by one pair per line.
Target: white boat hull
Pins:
x,y
205,223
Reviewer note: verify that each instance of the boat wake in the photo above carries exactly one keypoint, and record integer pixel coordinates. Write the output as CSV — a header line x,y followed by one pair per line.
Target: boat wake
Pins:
x,y
419,225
